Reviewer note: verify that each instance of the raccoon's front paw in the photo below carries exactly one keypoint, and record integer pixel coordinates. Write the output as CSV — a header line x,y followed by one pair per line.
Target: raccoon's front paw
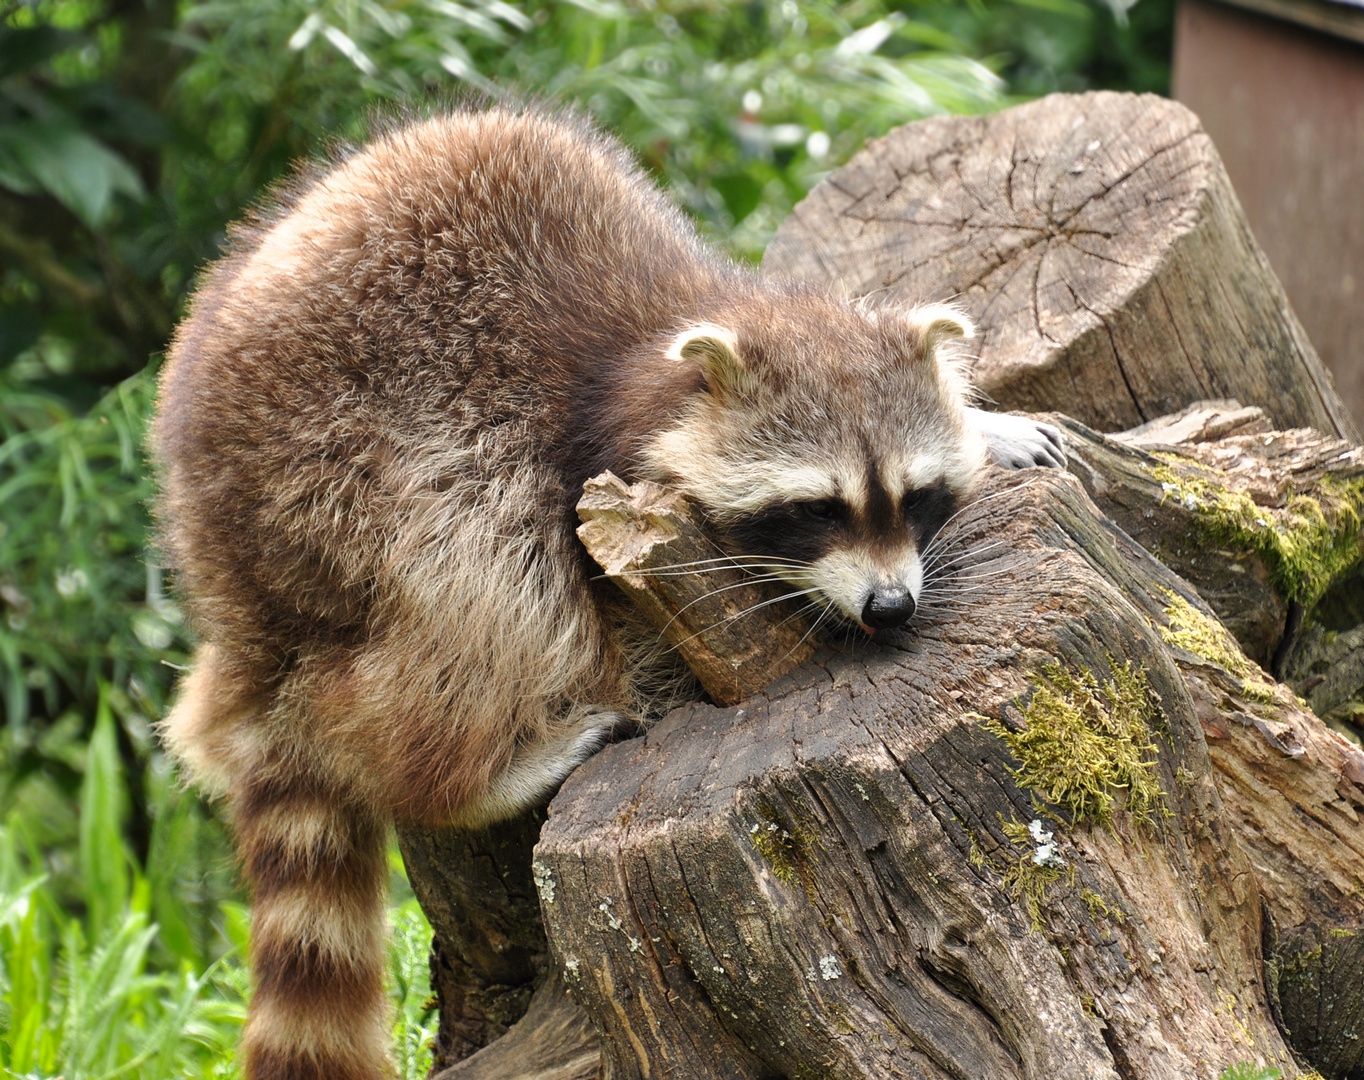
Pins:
x,y
1017,442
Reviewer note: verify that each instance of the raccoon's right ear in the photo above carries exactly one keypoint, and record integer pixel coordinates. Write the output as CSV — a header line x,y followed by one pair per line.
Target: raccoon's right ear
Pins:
x,y
935,323
716,350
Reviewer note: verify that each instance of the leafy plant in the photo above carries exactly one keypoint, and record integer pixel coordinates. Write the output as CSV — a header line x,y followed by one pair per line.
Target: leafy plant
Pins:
x,y
1248,1070
83,994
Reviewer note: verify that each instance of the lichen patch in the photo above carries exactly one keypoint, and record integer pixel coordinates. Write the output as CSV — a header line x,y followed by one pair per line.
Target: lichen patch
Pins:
x,y
1028,877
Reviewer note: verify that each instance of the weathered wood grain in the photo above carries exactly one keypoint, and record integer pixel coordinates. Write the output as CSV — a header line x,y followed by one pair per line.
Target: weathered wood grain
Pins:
x,y
1096,241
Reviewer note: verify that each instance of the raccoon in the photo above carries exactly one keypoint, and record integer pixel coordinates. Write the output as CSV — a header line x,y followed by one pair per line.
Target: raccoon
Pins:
x,y
371,434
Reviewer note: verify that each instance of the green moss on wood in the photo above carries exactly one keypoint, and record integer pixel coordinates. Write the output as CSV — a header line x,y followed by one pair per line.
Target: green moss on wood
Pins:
x,y
1189,629
786,847
1085,742
1099,909
1306,545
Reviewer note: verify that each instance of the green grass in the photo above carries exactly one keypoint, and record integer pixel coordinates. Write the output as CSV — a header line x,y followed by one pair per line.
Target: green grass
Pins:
x,y
108,991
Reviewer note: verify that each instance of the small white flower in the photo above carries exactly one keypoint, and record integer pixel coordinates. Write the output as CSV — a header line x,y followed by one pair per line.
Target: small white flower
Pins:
x,y
71,581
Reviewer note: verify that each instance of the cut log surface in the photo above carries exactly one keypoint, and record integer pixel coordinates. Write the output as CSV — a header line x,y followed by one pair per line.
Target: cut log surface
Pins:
x,y
1096,241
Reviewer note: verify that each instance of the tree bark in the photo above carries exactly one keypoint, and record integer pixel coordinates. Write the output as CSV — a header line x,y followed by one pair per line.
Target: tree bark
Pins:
x,y
1096,241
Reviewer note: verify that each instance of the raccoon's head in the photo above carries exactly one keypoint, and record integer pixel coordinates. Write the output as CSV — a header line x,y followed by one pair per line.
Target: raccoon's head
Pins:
x,y
826,445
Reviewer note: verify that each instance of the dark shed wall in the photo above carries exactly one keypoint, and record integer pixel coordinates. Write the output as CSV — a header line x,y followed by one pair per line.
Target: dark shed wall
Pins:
x,y
1285,107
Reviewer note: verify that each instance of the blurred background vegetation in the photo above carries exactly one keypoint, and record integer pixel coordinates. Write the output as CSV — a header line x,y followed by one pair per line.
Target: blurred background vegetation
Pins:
x,y
132,132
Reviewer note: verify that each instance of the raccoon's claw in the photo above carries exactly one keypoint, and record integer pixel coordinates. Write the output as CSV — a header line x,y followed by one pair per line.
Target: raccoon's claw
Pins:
x,y
1017,442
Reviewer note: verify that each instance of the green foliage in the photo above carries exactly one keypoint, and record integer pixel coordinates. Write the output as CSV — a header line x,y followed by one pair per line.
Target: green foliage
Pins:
x,y
414,1013
91,995
1248,1070
84,995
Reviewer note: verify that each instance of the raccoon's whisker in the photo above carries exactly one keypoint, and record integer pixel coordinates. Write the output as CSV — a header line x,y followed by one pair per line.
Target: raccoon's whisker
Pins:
x,y
804,609
947,557
982,575
746,611
936,550
951,593
702,566
941,536
803,637
724,589
951,588
680,571
733,560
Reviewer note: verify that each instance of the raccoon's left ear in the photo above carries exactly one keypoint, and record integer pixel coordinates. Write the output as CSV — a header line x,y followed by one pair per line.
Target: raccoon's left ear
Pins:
x,y
934,323
716,350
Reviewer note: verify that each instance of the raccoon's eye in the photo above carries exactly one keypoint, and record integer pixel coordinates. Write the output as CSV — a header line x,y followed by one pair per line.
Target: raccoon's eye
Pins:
x,y
913,499
822,510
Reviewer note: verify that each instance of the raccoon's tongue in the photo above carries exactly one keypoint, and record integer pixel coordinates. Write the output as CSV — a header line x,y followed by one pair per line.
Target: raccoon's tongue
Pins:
x,y
869,631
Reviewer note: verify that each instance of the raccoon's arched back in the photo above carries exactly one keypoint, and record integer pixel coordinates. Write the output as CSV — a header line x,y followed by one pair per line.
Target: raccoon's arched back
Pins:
x,y
436,274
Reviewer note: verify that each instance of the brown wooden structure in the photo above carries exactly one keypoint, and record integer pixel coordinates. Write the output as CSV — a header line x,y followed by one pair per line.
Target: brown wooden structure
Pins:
x,y
1279,86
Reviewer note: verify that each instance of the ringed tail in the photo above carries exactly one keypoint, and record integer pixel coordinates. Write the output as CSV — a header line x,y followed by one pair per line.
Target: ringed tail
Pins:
x,y
318,939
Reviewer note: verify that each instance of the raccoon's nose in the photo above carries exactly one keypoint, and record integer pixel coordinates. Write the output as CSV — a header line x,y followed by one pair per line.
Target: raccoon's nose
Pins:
x,y
887,608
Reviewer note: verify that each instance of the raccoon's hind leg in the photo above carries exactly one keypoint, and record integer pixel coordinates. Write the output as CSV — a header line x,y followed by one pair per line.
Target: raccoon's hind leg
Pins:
x,y
319,876
1015,442
536,769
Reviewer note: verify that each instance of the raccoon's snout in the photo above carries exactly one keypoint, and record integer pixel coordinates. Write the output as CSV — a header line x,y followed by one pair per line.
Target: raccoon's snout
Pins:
x,y
888,608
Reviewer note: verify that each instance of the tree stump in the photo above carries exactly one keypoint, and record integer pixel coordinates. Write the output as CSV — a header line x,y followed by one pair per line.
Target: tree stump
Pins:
x,y
993,847
1265,523
1096,241
1063,826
